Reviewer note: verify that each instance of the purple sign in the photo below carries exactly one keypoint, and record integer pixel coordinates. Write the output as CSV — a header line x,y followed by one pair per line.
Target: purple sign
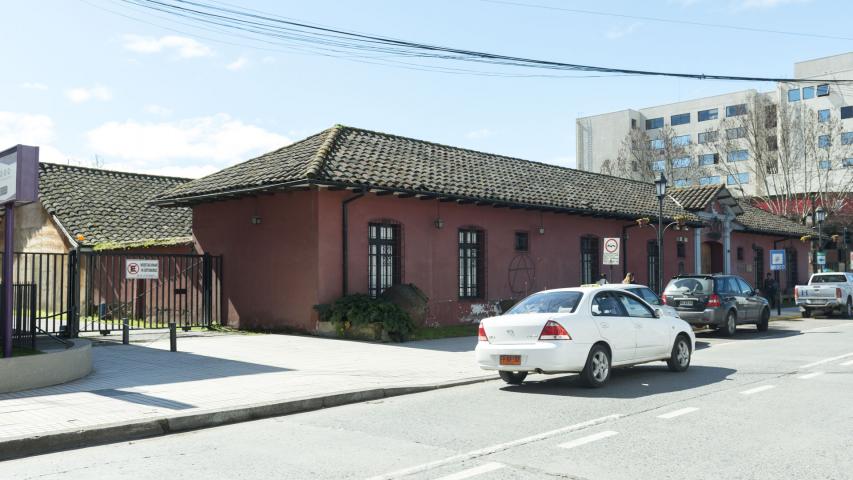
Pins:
x,y
19,174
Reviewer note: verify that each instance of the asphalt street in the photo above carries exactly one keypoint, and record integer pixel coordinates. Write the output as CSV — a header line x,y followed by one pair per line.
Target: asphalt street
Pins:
x,y
772,405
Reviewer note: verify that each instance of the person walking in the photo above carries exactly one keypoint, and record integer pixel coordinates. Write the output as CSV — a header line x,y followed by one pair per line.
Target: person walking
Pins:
x,y
629,278
771,291
603,279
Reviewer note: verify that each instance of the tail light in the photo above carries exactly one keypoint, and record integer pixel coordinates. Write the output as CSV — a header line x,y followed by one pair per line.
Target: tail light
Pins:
x,y
481,334
796,293
837,293
663,299
554,331
713,301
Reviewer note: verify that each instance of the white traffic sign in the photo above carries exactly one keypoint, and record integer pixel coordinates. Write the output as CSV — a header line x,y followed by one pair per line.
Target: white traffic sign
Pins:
x,y
611,251
141,269
821,258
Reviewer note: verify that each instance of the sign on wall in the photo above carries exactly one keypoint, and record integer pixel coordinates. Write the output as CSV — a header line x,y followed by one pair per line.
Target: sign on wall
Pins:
x,y
611,251
19,175
821,258
777,260
141,269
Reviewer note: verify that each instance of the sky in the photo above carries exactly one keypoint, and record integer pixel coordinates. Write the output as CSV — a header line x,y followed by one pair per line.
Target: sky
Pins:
x,y
100,83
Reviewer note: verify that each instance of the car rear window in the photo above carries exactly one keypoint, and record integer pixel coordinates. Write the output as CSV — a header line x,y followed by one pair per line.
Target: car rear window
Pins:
x,y
829,279
547,302
689,285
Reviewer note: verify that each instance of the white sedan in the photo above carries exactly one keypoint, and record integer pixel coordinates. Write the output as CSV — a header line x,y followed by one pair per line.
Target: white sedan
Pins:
x,y
587,330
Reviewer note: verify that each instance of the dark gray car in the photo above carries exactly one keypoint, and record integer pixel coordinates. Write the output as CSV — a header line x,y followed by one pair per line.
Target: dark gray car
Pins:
x,y
718,301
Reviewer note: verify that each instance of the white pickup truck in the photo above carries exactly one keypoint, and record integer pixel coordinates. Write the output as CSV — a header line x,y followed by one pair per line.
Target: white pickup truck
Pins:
x,y
826,293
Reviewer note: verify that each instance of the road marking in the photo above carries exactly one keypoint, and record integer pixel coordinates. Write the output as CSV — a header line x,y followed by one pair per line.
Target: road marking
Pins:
x,y
495,448
588,439
810,375
757,389
473,472
847,363
678,413
827,360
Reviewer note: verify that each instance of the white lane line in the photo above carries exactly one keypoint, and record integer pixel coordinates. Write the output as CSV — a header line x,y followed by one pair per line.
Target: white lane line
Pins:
x,y
495,448
757,389
847,363
678,413
827,360
810,375
588,439
473,472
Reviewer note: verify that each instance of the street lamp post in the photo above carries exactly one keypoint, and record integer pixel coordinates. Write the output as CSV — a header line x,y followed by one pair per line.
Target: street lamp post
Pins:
x,y
820,216
660,190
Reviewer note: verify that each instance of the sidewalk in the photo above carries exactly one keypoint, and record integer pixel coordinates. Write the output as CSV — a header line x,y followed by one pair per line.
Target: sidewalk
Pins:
x,y
142,389
788,313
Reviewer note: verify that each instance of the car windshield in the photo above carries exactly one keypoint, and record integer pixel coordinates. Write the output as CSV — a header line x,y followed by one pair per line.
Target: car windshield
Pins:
x,y
689,285
548,302
829,279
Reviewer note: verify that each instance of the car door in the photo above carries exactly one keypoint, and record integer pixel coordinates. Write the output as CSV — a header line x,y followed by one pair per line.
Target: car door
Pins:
x,y
616,328
753,300
741,291
652,332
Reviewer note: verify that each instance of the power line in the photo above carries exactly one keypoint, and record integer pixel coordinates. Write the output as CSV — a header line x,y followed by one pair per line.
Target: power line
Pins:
x,y
329,39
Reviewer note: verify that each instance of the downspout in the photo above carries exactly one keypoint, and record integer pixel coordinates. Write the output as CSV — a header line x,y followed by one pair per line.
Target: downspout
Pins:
x,y
625,249
344,242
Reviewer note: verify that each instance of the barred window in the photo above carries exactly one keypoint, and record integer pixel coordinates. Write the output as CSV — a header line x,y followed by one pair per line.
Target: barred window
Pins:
x,y
589,260
383,257
471,263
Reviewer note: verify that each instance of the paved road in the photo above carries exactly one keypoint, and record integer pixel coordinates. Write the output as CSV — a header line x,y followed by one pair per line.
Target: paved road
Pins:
x,y
774,405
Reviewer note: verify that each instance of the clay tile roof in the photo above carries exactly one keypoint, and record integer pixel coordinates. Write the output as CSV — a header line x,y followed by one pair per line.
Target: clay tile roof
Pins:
x,y
109,207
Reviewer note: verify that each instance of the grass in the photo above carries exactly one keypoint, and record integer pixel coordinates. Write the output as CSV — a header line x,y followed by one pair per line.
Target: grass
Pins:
x,y
448,331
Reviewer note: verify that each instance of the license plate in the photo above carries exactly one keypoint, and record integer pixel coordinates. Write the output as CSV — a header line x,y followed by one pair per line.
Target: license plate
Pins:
x,y
510,359
686,304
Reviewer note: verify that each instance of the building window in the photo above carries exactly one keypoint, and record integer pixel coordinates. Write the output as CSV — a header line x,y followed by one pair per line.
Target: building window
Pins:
x,y
383,257
653,123
770,116
681,141
847,162
823,141
709,159
736,110
589,260
772,143
808,93
847,138
758,265
711,180
741,178
733,133
823,115
847,112
659,166
681,162
739,253
737,156
707,137
794,95
823,90
681,249
705,115
824,164
680,119
522,242
656,144
471,263
633,123
682,183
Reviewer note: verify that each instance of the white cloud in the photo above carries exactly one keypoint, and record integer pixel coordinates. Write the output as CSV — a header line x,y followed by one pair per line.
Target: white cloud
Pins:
x,y
189,147
238,64
479,134
184,47
30,129
622,31
160,110
33,86
82,94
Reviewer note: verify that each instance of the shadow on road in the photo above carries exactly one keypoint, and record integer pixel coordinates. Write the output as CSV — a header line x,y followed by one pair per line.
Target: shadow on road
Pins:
x,y
634,382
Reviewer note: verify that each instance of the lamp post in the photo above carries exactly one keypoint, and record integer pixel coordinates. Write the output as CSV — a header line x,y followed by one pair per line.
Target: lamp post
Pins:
x,y
820,216
660,190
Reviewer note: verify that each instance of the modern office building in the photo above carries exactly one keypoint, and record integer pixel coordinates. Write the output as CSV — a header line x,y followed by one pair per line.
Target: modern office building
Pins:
x,y
697,124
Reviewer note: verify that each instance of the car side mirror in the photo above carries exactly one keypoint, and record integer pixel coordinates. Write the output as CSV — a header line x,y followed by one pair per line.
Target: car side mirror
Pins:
x,y
658,313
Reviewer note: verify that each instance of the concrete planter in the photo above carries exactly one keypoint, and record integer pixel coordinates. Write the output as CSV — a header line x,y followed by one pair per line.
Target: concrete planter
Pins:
x,y
371,331
50,368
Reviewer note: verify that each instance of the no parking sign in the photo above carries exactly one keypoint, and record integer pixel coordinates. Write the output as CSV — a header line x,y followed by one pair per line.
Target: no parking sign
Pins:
x,y
611,251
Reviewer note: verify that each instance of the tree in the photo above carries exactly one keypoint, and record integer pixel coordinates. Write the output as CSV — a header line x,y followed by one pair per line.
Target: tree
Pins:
x,y
643,155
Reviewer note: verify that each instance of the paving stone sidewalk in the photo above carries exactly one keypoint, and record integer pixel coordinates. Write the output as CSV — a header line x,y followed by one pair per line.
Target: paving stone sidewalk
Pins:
x,y
224,371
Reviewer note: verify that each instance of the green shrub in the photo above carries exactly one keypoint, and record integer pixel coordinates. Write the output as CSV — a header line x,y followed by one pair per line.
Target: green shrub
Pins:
x,y
360,309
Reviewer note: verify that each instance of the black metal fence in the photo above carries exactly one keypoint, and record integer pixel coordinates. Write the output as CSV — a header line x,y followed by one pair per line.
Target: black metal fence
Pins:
x,y
23,315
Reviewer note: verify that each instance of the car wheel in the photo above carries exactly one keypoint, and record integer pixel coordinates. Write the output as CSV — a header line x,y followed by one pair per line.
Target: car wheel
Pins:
x,y
513,378
764,323
806,313
730,327
597,370
679,360
848,312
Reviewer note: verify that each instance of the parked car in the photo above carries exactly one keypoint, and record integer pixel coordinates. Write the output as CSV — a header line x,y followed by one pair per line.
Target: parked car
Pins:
x,y
588,330
648,295
718,301
826,293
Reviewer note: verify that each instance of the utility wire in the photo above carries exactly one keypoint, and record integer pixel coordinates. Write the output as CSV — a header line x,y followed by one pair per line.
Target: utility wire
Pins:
x,y
329,39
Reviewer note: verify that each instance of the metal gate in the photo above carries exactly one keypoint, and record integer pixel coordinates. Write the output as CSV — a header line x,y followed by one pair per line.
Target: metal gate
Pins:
x,y
90,291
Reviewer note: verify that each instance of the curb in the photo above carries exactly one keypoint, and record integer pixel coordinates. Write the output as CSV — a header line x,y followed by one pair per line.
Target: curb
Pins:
x,y
25,446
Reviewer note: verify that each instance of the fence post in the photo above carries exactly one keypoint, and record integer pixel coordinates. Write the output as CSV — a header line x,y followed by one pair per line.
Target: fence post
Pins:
x,y
72,323
125,332
173,336
33,316
207,290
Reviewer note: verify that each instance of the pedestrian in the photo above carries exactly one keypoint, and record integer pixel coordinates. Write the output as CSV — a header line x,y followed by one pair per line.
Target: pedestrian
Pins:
x,y
771,290
603,279
629,278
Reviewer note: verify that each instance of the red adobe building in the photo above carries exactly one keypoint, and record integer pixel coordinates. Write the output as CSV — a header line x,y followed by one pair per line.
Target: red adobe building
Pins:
x,y
354,211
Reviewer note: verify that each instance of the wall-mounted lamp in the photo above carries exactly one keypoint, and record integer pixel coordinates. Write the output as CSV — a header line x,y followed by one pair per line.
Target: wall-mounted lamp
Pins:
x,y
541,230
439,223
256,220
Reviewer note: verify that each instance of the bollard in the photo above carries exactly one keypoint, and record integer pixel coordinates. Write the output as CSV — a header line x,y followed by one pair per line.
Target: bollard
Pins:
x,y
173,336
125,332
779,304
